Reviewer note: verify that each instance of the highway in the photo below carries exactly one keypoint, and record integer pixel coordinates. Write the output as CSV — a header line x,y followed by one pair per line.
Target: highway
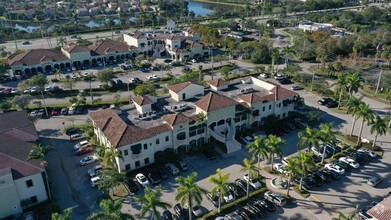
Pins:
x,y
44,43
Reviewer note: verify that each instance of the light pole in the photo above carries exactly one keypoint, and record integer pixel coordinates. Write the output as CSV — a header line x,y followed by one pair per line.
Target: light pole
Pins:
x,y
129,92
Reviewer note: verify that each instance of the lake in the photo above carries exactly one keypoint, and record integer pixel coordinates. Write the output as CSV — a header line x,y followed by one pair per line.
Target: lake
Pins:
x,y
199,8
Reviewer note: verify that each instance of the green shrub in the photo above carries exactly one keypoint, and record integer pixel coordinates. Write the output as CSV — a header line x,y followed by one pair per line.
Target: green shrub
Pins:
x,y
302,192
54,80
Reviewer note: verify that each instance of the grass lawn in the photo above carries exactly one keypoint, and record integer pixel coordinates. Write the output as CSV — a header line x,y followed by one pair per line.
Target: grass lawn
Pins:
x,y
366,91
119,192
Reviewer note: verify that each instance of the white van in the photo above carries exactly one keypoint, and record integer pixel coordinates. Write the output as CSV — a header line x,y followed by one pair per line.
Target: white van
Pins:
x,y
80,144
95,181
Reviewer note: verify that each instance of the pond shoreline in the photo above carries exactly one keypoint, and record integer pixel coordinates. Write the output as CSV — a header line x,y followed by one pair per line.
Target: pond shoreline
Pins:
x,y
219,3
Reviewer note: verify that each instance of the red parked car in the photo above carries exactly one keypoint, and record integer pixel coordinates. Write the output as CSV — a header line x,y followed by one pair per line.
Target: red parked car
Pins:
x,y
55,111
84,150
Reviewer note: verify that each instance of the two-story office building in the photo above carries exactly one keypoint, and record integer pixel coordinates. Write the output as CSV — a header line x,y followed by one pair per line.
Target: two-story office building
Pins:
x,y
23,183
188,117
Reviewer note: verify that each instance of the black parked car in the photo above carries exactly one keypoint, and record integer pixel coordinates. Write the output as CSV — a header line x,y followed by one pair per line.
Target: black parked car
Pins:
x,y
183,213
366,156
267,205
257,209
209,154
236,191
307,184
79,110
72,131
324,101
163,173
245,214
132,186
154,177
326,178
167,215
214,199
243,185
343,165
285,81
331,104
119,82
334,175
113,83
315,179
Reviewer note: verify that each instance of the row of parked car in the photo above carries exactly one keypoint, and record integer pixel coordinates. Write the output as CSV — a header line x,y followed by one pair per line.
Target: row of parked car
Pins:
x,y
285,126
257,208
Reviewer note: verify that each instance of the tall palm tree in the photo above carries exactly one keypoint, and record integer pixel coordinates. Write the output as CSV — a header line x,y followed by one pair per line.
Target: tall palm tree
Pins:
x,y
66,215
353,106
327,135
292,167
388,98
220,180
150,201
249,168
379,127
367,116
340,88
309,138
259,149
354,82
110,156
62,40
288,50
110,210
112,178
275,58
274,143
188,191
39,152
305,164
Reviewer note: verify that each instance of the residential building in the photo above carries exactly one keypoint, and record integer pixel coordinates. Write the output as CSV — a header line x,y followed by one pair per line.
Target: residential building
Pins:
x,y
187,118
312,26
22,182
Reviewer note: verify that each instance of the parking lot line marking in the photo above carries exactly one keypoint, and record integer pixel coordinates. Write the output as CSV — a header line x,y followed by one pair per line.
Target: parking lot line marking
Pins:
x,y
316,199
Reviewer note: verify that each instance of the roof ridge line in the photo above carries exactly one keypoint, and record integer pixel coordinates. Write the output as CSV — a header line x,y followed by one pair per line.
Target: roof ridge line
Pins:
x,y
25,162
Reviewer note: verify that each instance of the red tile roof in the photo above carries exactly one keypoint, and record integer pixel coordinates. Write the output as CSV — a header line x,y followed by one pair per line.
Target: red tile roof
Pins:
x,y
179,87
176,119
36,56
118,133
142,100
74,48
213,101
282,93
110,46
192,43
217,82
251,98
17,137
382,210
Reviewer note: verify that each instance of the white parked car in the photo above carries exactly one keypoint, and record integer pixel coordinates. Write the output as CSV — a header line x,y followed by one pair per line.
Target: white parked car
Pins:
x,y
253,182
88,159
94,181
369,152
193,60
229,197
275,198
80,144
350,162
133,80
142,180
335,168
71,110
264,75
197,211
34,113
79,136
280,168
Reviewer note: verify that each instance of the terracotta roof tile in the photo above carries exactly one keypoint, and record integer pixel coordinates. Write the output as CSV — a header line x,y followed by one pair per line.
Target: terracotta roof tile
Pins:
x,y
179,87
217,82
382,210
176,119
19,168
74,48
282,93
34,57
110,46
251,98
142,100
135,134
213,101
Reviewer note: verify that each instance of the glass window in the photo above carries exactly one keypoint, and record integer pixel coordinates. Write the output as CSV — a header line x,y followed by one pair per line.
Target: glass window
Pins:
x,y
167,138
137,163
136,149
145,146
263,108
29,183
270,107
34,199
126,152
157,141
181,136
146,161
127,167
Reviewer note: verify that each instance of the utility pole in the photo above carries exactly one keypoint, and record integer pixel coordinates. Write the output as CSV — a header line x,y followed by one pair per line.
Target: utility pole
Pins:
x,y
378,81
12,29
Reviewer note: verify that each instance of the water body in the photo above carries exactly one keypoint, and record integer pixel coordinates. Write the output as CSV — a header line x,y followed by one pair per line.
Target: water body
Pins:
x,y
199,8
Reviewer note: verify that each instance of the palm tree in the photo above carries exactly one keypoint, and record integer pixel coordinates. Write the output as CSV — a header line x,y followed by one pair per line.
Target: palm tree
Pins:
x,y
66,215
379,127
326,134
342,216
354,82
275,57
305,164
62,40
58,73
259,149
188,191
110,156
274,143
220,180
112,178
353,106
288,50
292,167
367,115
249,168
388,98
39,152
340,88
110,210
150,201
309,138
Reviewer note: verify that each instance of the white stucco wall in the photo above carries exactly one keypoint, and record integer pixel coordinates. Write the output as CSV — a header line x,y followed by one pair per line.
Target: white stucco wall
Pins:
x,y
190,91
9,198
38,188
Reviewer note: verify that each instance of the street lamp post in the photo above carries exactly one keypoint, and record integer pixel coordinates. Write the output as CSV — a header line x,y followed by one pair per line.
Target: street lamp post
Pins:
x,y
129,92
